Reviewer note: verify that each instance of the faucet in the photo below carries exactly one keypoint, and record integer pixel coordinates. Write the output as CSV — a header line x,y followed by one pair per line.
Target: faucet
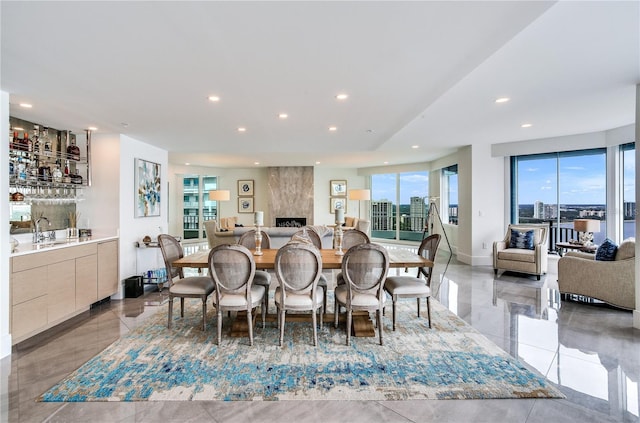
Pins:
x,y
37,234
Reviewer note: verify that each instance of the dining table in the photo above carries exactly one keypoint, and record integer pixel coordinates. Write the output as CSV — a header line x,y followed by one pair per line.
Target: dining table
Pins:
x,y
398,258
362,326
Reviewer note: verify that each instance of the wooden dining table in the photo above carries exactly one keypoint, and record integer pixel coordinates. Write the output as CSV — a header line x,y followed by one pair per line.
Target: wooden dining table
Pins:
x,y
361,324
398,258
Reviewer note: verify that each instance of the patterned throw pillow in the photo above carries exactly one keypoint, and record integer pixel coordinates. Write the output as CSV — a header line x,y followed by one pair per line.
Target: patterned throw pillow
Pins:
x,y
607,251
521,239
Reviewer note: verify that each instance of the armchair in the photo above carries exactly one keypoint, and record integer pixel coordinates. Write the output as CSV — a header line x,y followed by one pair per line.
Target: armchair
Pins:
x,y
610,281
523,260
220,233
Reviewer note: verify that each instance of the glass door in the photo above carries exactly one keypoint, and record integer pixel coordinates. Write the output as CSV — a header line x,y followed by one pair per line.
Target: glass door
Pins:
x,y
209,207
191,206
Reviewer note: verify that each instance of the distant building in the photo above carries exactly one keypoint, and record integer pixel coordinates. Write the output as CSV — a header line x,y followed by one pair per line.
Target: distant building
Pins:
x,y
417,214
629,210
538,210
382,214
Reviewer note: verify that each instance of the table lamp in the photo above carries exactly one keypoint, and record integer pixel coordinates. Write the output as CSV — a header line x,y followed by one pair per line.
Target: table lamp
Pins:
x,y
586,228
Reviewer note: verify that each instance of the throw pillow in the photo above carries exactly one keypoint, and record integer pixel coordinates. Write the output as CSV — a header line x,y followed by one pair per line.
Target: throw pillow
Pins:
x,y
521,239
239,225
607,251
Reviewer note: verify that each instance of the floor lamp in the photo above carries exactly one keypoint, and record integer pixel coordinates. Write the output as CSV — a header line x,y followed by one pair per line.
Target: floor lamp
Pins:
x,y
219,195
432,213
360,194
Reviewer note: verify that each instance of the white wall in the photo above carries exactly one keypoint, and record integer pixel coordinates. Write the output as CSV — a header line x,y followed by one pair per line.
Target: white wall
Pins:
x,y
133,229
321,182
5,336
99,210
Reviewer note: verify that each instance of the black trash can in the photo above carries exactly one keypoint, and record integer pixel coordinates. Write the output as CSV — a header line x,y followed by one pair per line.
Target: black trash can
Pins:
x,y
133,287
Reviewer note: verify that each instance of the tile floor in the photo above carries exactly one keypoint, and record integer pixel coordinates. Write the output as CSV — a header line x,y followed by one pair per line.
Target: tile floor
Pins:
x,y
591,352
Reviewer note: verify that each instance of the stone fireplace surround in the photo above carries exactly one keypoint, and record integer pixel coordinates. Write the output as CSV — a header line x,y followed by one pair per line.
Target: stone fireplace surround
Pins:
x,y
290,191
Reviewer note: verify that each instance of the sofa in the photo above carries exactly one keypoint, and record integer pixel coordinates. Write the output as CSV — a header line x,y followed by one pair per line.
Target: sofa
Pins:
x,y
230,234
356,223
523,260
610,281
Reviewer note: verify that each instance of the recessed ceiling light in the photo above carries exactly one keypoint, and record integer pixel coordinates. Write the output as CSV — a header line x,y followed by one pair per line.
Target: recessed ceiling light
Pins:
x,y
342,96
502,99
333,128
187,164
370,131
124,124
256,163
283,115
92,128
385,162
242,129
26,105
415,146
526,125
317,163
214,98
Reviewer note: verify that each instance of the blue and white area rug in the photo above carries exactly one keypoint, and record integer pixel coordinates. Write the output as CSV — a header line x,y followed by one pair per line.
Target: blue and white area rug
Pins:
x,y
450,361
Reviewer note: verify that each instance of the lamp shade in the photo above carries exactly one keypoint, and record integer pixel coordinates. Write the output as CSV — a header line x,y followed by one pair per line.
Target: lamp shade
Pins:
x,y
360,194
586,225
219,194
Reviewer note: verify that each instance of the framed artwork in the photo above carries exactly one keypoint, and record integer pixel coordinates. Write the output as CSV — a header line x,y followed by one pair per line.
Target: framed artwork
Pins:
x,y
147,188
245,187
338,203
338,187
245,205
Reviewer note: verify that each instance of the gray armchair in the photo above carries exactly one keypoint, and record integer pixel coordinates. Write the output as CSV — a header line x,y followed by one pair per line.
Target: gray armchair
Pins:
x,y
610,281
519,259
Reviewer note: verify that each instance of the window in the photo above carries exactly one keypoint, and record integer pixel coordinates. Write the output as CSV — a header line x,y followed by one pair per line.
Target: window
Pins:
x,y
450,188
628,190
557,188
398,206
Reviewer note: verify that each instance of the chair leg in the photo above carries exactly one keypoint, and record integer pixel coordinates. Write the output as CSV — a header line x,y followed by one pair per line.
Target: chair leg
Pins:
x,y
393,311
282,319
182,307
219,325
250,324
335,314
348,325
418,301
315,329
429,310
170,311
204,313
265,305
379,315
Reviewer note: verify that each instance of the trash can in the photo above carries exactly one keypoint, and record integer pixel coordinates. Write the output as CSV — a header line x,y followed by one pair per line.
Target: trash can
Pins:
x,y
133,287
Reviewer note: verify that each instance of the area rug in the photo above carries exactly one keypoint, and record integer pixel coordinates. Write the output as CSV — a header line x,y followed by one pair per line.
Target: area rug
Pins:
x,y
449,361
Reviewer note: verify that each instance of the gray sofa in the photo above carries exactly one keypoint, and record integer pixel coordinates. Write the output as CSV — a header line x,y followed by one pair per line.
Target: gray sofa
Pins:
x,y
278,236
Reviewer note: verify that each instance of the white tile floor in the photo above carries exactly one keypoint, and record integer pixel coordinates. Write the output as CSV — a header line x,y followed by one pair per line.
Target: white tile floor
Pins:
x,y
591,352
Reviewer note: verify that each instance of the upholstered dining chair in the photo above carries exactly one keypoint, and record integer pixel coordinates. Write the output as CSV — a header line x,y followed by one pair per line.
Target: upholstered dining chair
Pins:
x,y
349,239
365,269
181,287
262,277
415,287
312,236
232,268
298,267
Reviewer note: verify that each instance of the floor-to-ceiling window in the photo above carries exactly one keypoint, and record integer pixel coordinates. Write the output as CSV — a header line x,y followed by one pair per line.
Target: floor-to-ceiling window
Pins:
x,y
450,188
628,190
557,188
398,205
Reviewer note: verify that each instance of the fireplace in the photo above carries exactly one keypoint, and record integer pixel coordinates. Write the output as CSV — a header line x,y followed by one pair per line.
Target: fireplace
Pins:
x,y
291,222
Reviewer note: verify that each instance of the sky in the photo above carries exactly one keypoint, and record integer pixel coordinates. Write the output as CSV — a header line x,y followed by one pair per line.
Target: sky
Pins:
x,y
582,179
413,184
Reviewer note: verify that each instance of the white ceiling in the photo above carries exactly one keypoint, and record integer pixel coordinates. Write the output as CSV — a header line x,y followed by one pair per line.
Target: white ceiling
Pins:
x,y
417,73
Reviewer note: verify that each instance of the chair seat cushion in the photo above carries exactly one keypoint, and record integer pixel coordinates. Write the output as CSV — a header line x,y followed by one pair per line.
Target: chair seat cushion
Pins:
x,y
322,281
262,277
358,300
299,301
517,254
193,285
407,285
239,300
